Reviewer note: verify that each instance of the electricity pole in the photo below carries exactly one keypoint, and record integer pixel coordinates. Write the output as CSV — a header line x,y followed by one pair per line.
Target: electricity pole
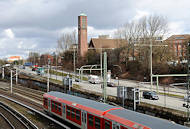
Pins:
x,y
188,80
48,75
105,76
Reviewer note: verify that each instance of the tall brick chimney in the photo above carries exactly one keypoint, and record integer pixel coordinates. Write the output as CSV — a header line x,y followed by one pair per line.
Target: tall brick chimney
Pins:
x,y
82,34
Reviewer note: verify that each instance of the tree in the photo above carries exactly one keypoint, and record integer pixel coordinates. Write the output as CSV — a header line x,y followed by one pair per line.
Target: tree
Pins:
x,y
34,57
146,30
65,41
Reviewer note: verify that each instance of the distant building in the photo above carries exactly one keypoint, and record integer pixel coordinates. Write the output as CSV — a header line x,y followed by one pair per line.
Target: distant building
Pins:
x,y
105,43
82,34
14,58
179,43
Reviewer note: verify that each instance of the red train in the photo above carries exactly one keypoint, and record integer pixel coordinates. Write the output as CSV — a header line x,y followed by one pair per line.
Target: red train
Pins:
x,y
89,114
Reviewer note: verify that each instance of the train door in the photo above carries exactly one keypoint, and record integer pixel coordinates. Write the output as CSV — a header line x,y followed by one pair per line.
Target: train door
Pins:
x,y
115,125
84,120
64,111
49,105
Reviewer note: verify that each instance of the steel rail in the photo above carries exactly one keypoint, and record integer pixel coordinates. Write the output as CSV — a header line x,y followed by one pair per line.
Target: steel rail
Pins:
x,y
7,121
13,114
36,111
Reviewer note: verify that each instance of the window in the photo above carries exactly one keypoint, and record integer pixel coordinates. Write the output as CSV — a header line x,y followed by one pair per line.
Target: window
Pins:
x,y
52,104
73,113
45,102
55,105
107,125
77,114
97,123
123,127
59,107
115,126
64,109
90,121
68,111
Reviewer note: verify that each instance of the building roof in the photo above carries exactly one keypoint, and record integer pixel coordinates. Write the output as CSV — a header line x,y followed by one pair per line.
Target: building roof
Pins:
x,y
179,37
106,43
15,57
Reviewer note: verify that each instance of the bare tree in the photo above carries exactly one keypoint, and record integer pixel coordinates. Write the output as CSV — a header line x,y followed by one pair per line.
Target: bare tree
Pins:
x,y
65,41
142,31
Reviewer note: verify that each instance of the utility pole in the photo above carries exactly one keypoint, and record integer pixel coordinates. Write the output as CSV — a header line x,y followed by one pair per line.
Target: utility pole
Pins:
x,y
74,64
16,76
11,81
101,62
3,73
48,76
150,45
151,64
188,81
105,77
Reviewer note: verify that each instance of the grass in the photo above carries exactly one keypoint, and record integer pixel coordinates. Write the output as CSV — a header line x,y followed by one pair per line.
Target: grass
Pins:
x,y
64,74
171,95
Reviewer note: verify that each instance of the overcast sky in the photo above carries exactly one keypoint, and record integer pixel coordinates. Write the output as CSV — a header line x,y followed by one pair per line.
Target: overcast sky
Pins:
x,y
35,25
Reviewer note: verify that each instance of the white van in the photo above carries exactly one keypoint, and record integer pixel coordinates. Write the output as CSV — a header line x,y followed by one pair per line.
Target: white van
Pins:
x,y
94,79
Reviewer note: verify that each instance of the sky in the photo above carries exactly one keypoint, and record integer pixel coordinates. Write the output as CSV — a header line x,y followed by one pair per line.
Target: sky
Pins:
x,y
35,25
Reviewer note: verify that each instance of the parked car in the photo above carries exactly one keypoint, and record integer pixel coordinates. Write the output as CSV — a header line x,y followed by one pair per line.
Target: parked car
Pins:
x,y
111,84
150,95
77,80
94,79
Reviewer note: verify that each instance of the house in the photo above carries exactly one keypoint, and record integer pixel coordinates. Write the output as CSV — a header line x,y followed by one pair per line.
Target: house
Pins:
x,y
105,43
179,43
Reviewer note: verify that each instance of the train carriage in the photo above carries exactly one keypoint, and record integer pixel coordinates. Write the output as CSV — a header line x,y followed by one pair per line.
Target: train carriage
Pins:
x,y
89,114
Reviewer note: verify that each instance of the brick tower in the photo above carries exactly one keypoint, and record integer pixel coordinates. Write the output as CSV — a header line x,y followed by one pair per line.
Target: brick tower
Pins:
x,y
82,34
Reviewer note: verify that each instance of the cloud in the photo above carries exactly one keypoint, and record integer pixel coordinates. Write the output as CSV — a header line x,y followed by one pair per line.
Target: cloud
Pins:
x,y
140,14
9,33
37,24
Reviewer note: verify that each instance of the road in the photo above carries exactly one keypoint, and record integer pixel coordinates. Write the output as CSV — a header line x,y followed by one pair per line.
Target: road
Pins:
x,y
164,101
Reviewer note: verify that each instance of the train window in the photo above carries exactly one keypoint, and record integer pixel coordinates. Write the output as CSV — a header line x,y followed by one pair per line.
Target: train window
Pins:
x,y
68,111
85,117
52,104
90,120
97,123
115,126
77,114
59,107
45,101
73,113
107,125
55,106
123,127
64,109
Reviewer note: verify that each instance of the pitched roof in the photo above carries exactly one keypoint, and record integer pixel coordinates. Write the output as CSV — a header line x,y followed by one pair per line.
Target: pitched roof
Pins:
x,y
179,37
106,43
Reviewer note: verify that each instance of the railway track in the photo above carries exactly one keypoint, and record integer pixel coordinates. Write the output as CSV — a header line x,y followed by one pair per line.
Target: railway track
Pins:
x,y
36,109
11,119
29,94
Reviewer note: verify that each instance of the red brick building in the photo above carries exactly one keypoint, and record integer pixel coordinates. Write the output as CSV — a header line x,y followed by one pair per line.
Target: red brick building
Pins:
x,y
179,43
82,35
